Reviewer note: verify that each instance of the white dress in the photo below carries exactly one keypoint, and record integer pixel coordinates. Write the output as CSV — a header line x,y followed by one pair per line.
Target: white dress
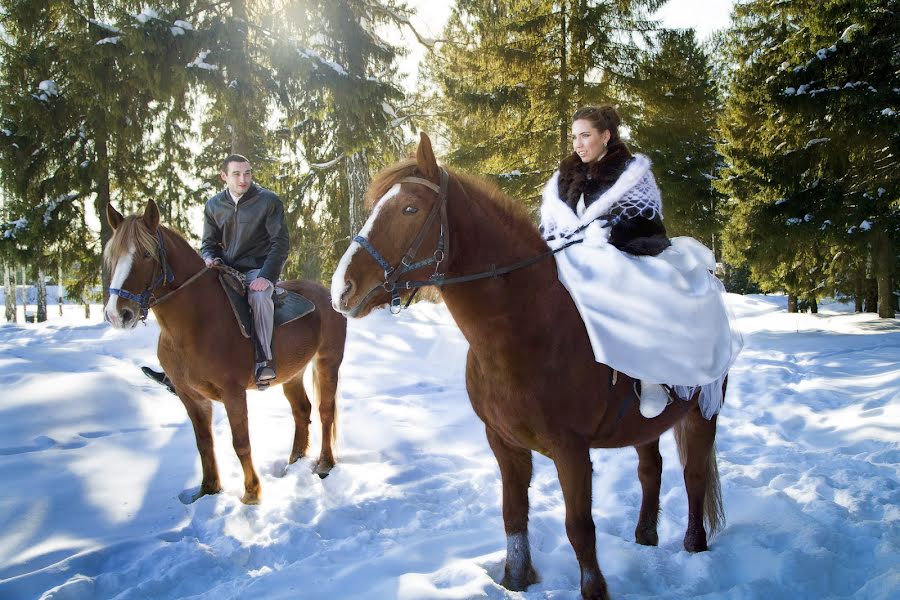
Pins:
x,y
659,319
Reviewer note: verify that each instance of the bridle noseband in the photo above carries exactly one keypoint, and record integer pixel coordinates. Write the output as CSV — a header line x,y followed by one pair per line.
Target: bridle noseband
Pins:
x,y
146,298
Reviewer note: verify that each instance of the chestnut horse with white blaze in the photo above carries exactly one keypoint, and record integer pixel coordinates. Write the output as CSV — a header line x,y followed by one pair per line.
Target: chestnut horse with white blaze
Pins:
x,y
202,349
530,372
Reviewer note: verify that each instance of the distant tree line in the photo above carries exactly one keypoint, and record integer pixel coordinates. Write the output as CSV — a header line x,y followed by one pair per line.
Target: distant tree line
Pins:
x,y
775,142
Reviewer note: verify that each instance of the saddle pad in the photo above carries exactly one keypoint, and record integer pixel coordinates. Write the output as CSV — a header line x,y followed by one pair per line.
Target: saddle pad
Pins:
x,y
289,306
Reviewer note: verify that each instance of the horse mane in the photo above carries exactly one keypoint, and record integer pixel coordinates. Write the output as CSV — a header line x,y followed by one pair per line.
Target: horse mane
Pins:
x,y
131,233
510,209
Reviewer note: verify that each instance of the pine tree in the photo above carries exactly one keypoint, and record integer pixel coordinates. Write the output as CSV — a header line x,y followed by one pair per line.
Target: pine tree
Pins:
x,y
512,72
677,103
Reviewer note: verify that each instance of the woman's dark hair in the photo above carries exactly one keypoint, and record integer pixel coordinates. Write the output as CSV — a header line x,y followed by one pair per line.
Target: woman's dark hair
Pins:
x,y
602,118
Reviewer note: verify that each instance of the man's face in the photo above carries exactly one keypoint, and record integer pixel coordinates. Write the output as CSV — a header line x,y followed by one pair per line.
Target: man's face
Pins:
x,y
238,176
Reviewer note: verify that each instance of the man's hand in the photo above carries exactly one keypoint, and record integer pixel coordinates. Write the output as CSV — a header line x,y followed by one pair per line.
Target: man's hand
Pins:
x,y
259,284
213,261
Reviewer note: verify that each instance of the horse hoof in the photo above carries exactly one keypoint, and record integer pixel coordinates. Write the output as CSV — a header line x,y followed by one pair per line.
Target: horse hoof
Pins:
x,y
646,537
695,546
520,584
250,499
323,468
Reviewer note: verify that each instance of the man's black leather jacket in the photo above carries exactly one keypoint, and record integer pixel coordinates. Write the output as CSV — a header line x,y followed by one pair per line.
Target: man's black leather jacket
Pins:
x,y
248,235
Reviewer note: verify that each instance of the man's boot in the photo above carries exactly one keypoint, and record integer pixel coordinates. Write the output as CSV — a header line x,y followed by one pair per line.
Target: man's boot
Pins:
x,y
160,378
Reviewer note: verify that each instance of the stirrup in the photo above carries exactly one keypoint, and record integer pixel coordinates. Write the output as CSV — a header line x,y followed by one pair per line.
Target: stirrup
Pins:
x,y
265,374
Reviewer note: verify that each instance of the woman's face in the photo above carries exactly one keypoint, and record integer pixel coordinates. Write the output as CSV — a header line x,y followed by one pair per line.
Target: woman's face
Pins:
x,y
587,142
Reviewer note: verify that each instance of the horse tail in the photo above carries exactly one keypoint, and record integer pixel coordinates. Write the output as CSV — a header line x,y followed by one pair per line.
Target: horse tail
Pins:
x,y
713,508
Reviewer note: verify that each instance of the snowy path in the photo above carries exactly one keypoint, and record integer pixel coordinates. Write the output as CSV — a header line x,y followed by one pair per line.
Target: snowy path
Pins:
x,y
94,458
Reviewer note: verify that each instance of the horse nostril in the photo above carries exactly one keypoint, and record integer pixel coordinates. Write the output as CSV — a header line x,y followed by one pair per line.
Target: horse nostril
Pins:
x,y
349,288
127,315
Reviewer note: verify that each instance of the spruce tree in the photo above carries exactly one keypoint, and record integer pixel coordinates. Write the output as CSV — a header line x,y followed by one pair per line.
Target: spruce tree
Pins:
x,y
677,102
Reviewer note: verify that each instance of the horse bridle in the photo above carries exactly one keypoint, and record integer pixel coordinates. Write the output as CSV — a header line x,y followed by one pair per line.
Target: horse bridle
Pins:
x,y
392,274
392,283
146,299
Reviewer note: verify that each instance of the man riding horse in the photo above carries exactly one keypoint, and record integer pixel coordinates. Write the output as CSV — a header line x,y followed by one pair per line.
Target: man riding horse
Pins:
x,y
244,229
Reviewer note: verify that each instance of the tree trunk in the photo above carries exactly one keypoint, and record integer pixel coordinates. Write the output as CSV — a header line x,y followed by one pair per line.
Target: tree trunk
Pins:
x,y
59,284
41,289
792,303
564,125
813,305
859,286
9,293
883,263
357,172
870,296
21,288
101,201
239,88
87,310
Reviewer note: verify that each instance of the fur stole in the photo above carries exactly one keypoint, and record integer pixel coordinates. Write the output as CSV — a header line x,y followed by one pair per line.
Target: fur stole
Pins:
x,y
577,178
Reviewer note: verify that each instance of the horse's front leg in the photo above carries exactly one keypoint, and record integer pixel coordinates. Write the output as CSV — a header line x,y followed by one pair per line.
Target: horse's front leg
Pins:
x,y
573,464
235,401
650,474
199,410
515,472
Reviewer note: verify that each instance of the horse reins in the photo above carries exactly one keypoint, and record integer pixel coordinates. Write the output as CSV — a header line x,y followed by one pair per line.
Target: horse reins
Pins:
x,y
392,283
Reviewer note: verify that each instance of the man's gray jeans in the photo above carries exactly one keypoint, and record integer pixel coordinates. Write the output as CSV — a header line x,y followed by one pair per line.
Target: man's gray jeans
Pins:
x,y
263,309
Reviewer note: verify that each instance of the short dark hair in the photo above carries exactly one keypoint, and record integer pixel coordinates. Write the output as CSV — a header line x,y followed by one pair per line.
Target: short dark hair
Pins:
x,y
602,118
238,158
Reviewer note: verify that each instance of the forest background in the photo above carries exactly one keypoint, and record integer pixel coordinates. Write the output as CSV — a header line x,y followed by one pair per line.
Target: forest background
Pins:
x,y
775,141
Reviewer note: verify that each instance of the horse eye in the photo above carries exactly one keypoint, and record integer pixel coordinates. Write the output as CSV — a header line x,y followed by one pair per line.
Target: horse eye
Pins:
x,y
410,210
146,254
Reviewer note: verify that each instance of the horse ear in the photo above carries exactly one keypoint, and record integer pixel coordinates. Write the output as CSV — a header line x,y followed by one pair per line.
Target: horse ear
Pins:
x,y
151,215
425,161
113,217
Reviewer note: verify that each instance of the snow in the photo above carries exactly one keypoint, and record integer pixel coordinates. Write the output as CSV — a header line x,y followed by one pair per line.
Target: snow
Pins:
x,y
888,112
109,40
49,87
200,62
865,225
106,26
94,458
183,25
176,31
146,15
14,226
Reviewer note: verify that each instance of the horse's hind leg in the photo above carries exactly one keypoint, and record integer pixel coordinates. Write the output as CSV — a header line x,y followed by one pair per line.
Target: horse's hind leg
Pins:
x,y
200,412
326,377
695,437
650,474
235,401
296,394
515,472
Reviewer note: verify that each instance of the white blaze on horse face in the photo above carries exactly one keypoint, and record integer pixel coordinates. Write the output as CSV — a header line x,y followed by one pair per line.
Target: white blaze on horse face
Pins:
x,y
339,279
123,269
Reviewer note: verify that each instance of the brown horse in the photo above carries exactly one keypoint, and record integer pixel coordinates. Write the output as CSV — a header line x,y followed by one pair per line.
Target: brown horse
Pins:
x,y
530,372
201,347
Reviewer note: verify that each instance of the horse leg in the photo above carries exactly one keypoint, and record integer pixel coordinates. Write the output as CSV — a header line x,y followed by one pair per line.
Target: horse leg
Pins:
x,y
199,410
235,402
650,474
573,464
295,392
515,472
695,437
326,376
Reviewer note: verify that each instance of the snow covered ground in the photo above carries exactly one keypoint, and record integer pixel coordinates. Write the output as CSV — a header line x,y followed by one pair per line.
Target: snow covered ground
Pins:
x,y
94,458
